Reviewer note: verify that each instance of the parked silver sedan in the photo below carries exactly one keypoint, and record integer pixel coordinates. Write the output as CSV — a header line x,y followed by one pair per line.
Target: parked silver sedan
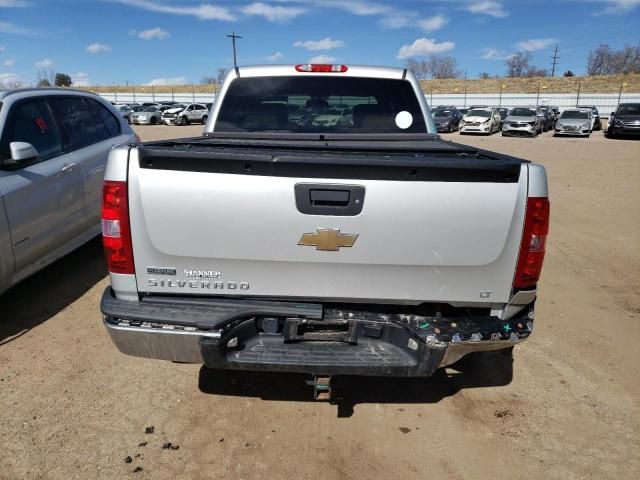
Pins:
x,y
574,121
127,110
150,115
53,153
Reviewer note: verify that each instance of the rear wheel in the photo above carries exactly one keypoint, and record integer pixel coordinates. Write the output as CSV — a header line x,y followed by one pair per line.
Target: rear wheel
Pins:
x,y
153,121
204,119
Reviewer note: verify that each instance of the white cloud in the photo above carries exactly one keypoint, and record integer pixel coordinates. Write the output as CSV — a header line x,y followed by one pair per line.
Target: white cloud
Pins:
x,y
424,46
396,20
168,81
10,80
433,23
536,44
358,7
322,59
494,54
274,57
272,13
80,79
9,62
203,11
44,63
324,44
487,7
98,48
12,29
150,34
2,49
619,6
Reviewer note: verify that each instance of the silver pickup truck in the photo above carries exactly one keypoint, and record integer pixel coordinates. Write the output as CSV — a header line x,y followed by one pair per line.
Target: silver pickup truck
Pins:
x,y
275,243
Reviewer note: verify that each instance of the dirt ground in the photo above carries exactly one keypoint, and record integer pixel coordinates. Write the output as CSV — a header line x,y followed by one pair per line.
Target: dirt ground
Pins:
x,y
567,407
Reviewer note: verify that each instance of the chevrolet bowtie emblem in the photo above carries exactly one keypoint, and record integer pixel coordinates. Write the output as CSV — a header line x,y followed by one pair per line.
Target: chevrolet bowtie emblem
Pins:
x,y
327,240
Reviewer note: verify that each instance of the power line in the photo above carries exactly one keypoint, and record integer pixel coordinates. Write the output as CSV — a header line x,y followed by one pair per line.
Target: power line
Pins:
x,y
555,60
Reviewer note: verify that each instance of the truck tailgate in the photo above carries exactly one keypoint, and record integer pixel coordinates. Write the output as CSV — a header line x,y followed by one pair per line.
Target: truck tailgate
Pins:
x,y
426,228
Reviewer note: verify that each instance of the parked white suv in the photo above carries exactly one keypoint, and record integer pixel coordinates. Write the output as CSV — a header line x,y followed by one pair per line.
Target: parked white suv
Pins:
x,y
194,112
481,120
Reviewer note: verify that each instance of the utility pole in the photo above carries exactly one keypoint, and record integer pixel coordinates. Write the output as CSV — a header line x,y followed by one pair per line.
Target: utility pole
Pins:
x,y
555,61
233,37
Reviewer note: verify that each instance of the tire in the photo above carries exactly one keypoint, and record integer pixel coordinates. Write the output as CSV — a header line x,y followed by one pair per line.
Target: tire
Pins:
x,y
153,121
204,119
503,134
183,121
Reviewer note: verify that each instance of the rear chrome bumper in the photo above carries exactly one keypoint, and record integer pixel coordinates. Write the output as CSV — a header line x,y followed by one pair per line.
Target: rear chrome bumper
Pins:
x,y
365,347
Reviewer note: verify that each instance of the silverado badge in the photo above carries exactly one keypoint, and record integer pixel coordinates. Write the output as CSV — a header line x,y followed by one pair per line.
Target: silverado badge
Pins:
x,y
327,240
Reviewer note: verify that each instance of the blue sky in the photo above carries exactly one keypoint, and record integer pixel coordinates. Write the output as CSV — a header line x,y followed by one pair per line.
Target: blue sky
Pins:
x,y
179,41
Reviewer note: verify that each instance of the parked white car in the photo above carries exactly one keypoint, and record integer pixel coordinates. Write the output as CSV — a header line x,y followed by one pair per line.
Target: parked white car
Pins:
x,y
481,120
194,112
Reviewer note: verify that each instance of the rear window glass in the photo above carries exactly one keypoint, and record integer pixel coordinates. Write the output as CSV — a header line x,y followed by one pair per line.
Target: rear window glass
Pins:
x,y
76,120
309,104
523,112
629,109
574,114
110,124
479,113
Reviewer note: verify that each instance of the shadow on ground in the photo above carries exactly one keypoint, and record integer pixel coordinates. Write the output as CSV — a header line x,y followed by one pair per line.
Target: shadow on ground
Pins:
x,y
49,291
490,369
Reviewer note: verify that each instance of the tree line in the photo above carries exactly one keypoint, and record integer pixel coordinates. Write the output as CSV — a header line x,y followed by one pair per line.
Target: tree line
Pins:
x,y
602,61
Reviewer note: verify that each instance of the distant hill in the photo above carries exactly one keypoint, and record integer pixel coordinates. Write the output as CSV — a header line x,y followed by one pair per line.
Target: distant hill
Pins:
x,y
596,84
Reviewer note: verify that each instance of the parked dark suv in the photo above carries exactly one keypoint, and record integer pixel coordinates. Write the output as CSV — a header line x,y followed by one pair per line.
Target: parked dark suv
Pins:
x,y
447,119
625,120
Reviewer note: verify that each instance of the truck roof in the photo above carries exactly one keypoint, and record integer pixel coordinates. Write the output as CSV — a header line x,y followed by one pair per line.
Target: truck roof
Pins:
x,y
352,71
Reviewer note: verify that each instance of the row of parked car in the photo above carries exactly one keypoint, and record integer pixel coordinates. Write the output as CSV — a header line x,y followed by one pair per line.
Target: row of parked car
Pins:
x,y
536,119
521,121
168,113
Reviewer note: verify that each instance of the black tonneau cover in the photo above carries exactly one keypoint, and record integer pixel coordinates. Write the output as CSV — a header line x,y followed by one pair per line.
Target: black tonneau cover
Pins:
x,y
406,157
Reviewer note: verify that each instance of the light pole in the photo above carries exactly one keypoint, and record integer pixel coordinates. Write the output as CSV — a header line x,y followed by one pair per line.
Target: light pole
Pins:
x,y
622,85
465,89
233,37
500,100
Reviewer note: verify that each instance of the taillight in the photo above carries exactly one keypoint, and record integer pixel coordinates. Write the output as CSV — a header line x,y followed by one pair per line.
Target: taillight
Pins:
x,y
116,233
534,239
321,68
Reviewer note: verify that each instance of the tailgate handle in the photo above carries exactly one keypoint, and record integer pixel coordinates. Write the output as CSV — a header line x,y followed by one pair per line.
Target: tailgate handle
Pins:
x,y
329,199
333,198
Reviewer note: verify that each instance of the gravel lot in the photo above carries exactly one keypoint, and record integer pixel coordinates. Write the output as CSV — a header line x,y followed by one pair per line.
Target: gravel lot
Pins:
x,y
567,407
